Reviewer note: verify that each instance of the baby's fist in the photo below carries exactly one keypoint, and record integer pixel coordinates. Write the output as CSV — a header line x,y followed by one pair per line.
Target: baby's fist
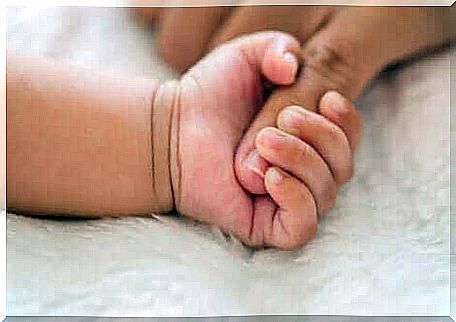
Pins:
x,y
314,148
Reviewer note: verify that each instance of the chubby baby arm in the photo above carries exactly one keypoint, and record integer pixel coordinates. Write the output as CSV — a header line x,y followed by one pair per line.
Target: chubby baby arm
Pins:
x,y
83,143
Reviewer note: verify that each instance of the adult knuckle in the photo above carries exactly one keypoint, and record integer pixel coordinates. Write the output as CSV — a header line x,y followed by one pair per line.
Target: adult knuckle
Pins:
x,y
325,64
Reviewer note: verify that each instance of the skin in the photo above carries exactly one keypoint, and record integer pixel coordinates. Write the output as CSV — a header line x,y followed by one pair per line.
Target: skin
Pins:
x,y
105,165
186,34
287,216
74,146
199,30
333,61
284,202
342,49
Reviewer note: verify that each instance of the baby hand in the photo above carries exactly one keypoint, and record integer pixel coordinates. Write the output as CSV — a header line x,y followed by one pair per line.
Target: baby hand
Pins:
x,y
326,129
214,105
312,151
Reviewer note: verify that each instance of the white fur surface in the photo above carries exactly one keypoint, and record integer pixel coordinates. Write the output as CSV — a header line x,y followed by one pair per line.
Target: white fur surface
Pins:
x,y
382,250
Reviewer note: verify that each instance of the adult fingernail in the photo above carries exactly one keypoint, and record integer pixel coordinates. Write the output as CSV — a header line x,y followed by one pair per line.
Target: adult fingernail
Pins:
x,y
256,163
274,175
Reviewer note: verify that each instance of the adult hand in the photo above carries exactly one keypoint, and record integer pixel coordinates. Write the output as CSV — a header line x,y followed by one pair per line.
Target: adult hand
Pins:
x,y
342,56
187,34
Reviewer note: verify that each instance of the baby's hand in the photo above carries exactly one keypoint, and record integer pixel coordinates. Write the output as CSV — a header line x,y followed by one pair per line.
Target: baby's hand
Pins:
x,y
326,129
309,148
214,105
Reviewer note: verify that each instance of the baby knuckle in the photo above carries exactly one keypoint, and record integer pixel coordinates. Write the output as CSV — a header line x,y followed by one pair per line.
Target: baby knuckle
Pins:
x,y
299,234
350,172
335,136
310,230
303,153
253,241
301,237
294,242
346,173
330,195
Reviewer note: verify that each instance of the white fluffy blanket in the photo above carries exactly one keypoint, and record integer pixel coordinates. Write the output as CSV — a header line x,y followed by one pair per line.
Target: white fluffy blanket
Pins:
x,y
383,249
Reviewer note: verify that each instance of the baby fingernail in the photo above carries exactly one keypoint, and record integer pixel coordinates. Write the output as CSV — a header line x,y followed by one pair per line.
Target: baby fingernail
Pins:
x,y
274,176
334,95
337,100
288,117
270,138
293,66
256,163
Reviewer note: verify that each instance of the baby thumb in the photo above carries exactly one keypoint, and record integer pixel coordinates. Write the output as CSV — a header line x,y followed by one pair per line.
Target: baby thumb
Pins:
x,y
273,54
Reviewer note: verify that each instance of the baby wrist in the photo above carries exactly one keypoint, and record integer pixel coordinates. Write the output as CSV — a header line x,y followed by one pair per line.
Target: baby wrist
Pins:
x,y
164,138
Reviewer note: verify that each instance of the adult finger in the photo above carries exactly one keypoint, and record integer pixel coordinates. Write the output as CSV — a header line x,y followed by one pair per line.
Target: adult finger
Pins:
x,y
149,14
184,33
300,21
